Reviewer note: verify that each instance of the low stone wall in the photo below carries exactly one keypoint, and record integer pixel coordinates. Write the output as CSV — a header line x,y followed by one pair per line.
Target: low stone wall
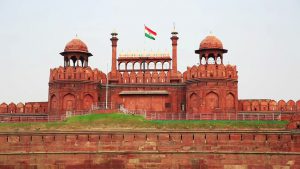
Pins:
x,y
138,149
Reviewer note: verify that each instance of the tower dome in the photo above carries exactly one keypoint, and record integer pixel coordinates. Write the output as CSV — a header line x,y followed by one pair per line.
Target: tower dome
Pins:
x,y
76,45
211,42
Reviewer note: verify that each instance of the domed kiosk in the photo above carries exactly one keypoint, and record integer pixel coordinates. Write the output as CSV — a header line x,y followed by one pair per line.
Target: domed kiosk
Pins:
x,y
211,50
76,53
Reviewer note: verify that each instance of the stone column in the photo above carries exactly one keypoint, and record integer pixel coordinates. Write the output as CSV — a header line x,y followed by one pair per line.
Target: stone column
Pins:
x,y
114,41
174,39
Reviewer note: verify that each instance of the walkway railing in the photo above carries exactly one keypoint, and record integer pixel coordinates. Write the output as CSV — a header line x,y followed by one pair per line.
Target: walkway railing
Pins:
x,y
202,116
133,112
213,116
102,106
148,115
12,118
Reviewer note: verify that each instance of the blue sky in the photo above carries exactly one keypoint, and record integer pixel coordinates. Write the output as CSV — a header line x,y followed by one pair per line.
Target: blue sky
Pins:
x,y
262,38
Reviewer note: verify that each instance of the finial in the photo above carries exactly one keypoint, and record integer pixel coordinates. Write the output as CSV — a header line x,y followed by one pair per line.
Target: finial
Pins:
x,y
114,33
173,26
174,33
76,36
210,32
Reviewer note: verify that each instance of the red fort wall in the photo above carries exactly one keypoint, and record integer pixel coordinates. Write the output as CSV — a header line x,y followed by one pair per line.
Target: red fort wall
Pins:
x,y
156,149
27,108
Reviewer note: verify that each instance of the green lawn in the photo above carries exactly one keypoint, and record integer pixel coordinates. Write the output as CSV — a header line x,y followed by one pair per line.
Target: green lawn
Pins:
x,y
122,121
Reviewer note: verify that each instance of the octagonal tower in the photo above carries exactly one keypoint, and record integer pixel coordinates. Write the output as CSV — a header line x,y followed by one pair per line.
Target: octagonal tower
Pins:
x,y
75,86
212,87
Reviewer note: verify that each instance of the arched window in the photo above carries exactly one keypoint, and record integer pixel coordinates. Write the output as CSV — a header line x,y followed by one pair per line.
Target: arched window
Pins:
x,y
136,66
122,66
159,65
151,65
129,66
211,60
166,65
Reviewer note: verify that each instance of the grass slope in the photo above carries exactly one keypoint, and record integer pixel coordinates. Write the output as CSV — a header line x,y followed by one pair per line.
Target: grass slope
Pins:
x,y
122,121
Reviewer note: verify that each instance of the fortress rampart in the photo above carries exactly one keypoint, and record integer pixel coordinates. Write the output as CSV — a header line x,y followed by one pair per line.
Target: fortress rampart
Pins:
x,y
77,74
210,71
245,105
27,108
171,149
269,105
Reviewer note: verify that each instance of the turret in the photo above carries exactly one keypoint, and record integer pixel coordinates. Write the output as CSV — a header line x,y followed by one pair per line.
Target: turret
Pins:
x,y
76,54
211,51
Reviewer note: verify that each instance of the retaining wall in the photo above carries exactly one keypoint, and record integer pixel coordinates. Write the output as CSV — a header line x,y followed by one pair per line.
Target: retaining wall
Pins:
x,y
124,149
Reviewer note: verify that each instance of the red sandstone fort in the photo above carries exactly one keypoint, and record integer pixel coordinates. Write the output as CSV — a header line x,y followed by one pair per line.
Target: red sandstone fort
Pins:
x,y
149,82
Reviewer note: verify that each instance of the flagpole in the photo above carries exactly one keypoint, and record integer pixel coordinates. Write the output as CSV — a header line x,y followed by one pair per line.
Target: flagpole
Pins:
x,y
144,62
144,38
106,88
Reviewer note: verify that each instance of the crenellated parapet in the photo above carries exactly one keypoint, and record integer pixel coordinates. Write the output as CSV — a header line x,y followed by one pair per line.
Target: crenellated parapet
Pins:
x,y
263,105
27,108
211,71
77,74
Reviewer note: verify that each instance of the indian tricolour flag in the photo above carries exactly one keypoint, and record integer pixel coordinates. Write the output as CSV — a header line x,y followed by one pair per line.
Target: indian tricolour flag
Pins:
x,y
150,33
